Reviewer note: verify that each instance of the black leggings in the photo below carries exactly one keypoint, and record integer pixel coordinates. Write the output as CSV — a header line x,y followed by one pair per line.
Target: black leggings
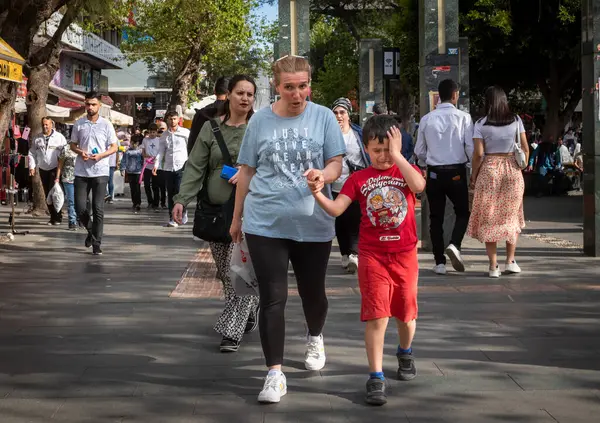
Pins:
x,y
270,258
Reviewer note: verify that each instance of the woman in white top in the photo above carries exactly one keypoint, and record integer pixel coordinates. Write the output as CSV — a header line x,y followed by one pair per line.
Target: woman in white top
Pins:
x,y
497,212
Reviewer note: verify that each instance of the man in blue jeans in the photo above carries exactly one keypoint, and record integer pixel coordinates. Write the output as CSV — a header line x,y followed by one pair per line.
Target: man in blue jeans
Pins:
x,y
172,155
94,139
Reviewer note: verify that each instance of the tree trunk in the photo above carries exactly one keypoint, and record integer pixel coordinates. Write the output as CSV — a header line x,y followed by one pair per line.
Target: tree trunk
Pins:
x,y
185,78
18,26
37,95
44,63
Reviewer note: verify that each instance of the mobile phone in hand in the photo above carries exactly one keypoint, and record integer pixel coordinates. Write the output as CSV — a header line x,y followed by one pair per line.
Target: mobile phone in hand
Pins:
x,y
228,172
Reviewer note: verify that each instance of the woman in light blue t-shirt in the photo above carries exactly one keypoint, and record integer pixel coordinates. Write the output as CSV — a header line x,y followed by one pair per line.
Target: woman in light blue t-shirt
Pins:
x,y
284,145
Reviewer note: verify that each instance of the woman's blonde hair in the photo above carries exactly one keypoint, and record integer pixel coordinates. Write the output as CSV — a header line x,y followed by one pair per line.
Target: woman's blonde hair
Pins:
x,y
290,64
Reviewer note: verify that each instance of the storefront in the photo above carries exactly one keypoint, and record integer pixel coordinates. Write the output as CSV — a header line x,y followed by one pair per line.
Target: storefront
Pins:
x,y
11,63
11,69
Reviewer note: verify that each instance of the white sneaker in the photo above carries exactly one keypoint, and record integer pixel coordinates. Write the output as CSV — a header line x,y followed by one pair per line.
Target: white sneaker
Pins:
x,y
495,273
345,261
455,258
184,219
440,269
512,267
314,359
274,388
172,224
352,263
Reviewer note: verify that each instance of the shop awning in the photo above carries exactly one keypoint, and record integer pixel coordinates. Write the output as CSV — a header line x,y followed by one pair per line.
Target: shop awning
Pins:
x,y
120,119
11,63
51,110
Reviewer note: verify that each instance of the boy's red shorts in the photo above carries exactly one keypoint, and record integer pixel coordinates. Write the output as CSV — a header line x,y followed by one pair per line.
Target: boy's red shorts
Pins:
x,y
388,285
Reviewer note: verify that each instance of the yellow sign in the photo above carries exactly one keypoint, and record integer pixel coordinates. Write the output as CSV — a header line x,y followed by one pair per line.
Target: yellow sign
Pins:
x,y
11,71
11,63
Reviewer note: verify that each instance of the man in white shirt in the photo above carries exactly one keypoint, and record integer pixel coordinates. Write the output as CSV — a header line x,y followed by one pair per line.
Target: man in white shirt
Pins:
x,y
94,139
150,151
173,154
445,146
565,156
43,154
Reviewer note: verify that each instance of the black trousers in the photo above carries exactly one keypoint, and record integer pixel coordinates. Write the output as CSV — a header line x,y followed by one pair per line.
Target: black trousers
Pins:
x,y
173,182
97,186
48,177
135,188
346,228
152,187
162,187
451,183
270,258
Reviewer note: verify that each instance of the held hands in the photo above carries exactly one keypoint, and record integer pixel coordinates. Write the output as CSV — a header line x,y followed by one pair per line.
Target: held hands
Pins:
x,y
315,179
178,213
473,181
85,156
395,138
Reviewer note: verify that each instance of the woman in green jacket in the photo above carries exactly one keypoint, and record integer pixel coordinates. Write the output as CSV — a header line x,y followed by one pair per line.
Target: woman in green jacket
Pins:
x,y
204,166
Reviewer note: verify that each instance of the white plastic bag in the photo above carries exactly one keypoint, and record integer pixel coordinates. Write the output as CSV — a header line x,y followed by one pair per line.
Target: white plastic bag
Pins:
x,y
56,197
241,271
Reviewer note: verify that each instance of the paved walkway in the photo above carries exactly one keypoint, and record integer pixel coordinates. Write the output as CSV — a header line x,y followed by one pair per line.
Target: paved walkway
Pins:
x,y
115,339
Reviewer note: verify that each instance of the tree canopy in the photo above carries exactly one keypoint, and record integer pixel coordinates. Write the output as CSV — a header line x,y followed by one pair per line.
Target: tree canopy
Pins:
x,y
187,38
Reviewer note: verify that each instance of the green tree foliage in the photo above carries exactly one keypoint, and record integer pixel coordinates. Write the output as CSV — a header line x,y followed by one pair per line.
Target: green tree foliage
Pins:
x,y
525,46
334,56
185,37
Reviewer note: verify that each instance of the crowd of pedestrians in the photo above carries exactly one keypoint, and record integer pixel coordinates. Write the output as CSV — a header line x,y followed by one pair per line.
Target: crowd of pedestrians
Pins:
x,y
289,179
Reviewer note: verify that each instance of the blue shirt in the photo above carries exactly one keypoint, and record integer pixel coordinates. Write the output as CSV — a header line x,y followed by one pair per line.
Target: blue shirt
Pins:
x,y
279,203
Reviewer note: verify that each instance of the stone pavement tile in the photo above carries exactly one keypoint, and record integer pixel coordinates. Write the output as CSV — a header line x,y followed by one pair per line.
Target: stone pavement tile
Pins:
x,y
479,416
29,410
116,409
311,417
240,417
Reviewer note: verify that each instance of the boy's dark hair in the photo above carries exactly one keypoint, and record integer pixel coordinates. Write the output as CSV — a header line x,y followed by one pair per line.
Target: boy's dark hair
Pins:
x,y
446,89
377,127
153,127
93,94
170,113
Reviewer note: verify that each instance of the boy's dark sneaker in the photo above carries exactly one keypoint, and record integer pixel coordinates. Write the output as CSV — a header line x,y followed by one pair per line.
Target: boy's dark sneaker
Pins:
x,y
229,345
376,392
406,366
88,240
252,322
97,250
72,226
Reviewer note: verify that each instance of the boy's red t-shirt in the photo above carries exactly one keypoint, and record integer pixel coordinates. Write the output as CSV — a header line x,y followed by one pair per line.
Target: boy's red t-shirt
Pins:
x,y
388,209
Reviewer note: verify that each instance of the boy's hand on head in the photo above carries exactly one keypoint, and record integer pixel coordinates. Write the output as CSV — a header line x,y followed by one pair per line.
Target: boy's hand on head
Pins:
x,y
395,138
315,179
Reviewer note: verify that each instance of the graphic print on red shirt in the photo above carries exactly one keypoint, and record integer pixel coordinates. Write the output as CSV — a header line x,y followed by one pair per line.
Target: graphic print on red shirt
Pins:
x,y
388,209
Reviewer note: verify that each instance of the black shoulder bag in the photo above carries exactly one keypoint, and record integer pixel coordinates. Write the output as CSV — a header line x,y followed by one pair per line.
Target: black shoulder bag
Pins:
x,y
212,221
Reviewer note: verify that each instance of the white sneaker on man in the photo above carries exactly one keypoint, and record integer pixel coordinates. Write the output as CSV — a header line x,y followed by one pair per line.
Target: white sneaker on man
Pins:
x,y
345,261
512,267
314,359
274,388
455,258
352,263
440,269
172,224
